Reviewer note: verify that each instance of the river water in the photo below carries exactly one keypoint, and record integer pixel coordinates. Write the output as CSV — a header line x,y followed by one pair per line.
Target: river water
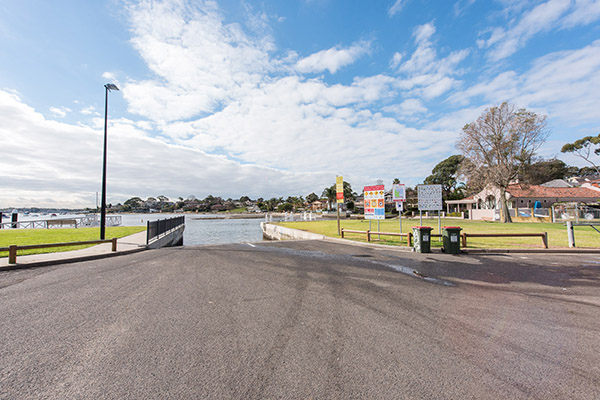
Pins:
x,y
199,229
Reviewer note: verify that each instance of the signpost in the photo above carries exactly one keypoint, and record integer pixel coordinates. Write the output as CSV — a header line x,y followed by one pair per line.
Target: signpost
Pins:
x,y
399,197
430,199
339,195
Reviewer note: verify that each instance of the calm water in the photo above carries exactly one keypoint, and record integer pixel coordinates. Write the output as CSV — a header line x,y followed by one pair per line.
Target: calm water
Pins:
x,y
207,231
197,230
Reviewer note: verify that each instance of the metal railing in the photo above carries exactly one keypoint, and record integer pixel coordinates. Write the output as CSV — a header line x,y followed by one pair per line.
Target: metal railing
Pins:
x,y
157,228
87,221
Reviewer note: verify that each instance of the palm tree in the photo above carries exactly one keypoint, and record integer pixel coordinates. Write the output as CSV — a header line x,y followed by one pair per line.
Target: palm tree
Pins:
x,y
330,193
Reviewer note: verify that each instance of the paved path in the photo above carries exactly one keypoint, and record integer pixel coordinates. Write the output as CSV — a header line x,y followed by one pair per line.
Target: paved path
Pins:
x,y
302,320
125,244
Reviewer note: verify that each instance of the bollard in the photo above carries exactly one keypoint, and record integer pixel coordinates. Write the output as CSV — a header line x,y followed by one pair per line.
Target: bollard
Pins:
x,y
114,244
570,234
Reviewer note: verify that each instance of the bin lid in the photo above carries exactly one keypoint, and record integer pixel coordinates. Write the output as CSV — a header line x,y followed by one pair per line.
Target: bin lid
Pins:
x,y
422,227
451,227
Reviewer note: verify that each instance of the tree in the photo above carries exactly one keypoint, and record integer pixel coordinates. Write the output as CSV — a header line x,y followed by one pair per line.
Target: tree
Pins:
x,y
499,142
446,173
312,197
133,203
330,193
546,170
163,199
396,181
583,148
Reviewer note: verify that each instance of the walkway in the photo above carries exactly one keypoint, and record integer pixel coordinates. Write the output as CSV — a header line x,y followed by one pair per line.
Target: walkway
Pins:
x,y
127,244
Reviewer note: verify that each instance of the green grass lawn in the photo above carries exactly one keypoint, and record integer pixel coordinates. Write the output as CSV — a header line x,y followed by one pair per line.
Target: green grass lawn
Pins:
x,y
585,236
22,237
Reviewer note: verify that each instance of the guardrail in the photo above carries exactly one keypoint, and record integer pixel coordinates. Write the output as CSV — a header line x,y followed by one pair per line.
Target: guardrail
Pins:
x,y
369,233
543,235
157,228
12,250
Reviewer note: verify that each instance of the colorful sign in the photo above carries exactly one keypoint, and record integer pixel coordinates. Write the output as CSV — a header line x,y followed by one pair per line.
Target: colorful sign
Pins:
x,y
374,202
339,189
398,192
430,197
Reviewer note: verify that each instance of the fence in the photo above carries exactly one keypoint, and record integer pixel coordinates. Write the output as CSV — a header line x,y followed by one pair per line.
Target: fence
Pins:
x,y
12,250
87,221
369,234
157,228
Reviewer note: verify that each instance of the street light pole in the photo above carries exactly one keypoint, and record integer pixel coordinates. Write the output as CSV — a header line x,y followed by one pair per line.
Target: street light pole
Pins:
x,y
108,87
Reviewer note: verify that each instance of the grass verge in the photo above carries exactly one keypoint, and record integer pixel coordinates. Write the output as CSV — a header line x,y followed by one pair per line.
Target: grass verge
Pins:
x,y
23,237
585,236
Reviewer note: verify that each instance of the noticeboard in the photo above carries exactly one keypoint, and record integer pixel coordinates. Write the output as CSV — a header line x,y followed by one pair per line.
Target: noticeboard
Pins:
x,y
430,197
374,202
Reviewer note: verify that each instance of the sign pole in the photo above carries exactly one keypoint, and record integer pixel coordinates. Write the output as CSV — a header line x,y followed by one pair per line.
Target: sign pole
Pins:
x,y
338,219
440,224
420,218
378,230
339,198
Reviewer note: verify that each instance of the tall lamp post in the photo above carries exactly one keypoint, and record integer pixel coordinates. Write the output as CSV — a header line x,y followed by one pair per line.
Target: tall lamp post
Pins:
x,y
108,87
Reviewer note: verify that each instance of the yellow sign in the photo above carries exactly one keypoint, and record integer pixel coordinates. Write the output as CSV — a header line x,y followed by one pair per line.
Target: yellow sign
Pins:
x,y
339,189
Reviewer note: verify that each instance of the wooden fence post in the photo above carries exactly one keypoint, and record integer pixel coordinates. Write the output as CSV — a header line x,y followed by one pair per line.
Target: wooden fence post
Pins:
x,y
368,235
409,237
114,244
545,239
12,254
464,240
342,233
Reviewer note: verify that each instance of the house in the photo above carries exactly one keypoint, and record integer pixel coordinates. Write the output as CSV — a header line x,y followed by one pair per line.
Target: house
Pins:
x,y
318,205
525,197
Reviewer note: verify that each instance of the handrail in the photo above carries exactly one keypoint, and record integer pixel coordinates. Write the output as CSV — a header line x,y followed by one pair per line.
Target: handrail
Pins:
x,y
12,250
156,228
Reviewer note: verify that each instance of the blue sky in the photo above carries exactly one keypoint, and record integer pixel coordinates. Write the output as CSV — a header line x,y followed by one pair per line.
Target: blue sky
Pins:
x,y
274,98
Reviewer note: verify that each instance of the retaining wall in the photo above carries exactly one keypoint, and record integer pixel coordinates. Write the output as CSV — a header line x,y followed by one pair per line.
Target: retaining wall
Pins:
x,y
276,232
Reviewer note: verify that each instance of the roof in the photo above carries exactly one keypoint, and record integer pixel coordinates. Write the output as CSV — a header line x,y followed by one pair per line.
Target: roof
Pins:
x,y
466,200
557,183
535,191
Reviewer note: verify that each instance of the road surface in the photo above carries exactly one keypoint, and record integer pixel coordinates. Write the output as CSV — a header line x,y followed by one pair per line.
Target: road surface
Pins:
x,y
300,320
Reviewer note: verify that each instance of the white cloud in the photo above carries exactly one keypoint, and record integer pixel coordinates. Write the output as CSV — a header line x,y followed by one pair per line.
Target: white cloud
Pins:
x,y
332,59
66,170
61,112
90,110
111,77
396,8
552,14
566,84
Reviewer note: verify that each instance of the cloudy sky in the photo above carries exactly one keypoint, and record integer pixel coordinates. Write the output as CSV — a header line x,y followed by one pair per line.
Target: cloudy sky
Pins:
x,y
274,98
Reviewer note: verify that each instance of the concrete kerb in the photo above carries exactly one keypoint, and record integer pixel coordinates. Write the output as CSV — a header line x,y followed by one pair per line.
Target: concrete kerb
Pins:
x,y
410,249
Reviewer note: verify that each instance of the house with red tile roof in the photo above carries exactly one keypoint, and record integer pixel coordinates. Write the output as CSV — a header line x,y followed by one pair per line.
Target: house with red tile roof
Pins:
x,y
521,196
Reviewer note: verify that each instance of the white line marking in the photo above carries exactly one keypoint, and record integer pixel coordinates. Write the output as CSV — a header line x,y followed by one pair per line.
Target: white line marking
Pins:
x,y
250,244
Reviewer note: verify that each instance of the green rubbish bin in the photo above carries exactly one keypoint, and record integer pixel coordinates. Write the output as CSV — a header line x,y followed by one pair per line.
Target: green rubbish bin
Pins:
x,y
451,235
422,238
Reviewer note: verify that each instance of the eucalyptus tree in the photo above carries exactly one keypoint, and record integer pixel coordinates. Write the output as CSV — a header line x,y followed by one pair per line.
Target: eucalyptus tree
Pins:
x,y
499,142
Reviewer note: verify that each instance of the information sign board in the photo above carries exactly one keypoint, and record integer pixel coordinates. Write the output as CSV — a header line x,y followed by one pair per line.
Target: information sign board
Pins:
x,y
398,192
374,202
430,197
339,189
